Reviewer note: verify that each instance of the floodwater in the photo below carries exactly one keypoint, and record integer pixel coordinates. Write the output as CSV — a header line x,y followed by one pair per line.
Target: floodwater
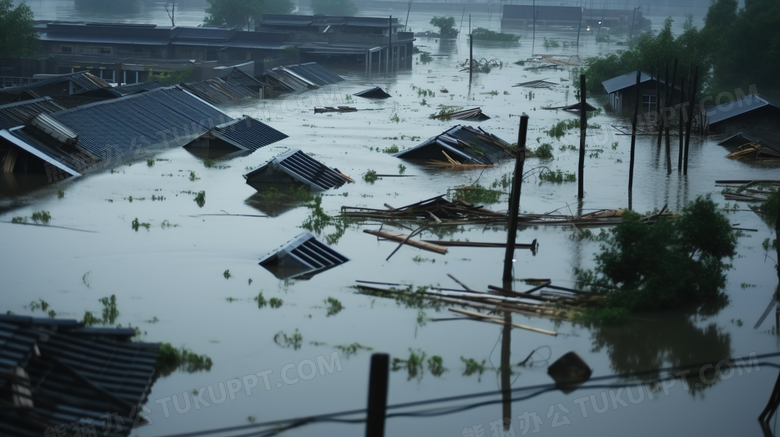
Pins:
x,y
169,282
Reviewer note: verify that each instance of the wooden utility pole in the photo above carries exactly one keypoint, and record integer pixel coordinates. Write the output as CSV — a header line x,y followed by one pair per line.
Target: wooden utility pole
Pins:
x,y
633,140
514,198
658,103
666,123
690,118
471,53
681,126
389,67
583,131
377,395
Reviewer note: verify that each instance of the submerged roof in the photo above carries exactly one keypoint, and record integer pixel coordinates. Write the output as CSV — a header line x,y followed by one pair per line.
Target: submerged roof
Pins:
x,y
301,258
301,168
463,143
738,107
217,91
373,93
82,79
62,372
299,77
624,81
20,113
246,133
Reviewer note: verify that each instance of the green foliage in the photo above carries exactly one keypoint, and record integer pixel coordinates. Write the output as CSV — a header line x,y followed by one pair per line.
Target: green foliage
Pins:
x,y
18,37
172,359
275,302
370,176
318,220
200,198
391,149
425,57
334,7
136,224
41,217
550,43
261,302
170,78
60,193
557,176
20,220
292,341
295,194
334,306
668,264
436,365
473,366
40,304
109,314
474,194
401,169
243,13
482,34
543,152
446,26
351,349
413,365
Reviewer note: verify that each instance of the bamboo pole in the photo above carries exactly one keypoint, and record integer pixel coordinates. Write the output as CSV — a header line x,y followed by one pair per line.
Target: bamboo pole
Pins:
x,y
583,131
633,140
680,126
514,198
501,321
692,103
402,239
666,123
471,52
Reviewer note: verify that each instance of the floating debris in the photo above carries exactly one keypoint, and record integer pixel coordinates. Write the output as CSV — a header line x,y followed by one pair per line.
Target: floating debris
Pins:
x,y
373,93
536,84
469,145
295,168
572,108
301,258
335,109
473,114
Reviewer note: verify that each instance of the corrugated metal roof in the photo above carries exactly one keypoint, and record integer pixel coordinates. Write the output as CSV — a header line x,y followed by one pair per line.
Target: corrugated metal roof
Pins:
x,y
82,79
373,93
625,81
217,92
160,118
301,258
71,374
314,72
19,113
247,133
238,76
738,107
105,39
301,167
472,146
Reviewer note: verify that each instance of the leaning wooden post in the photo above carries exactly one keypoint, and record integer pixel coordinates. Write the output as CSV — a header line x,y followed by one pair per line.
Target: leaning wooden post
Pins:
x,y
389,45
471,52
658,103
583,129
680,125
377,395
666,124
690,118
514,198
633,139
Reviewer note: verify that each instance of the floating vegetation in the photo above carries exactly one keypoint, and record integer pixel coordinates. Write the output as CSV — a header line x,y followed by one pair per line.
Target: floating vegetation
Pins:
x,y
543,152
318,220
208,163
351,349
41,217
395,117
292,341
482,34
166,224
391,149
436,365
333,305
474,194
227,274
60,192
425,57
473,366
587,234
370,176
401,169
136,224
482,65
109,314
261,302
567,148
193,176
295,194
200,198
275,302
419,259
157,198
559,129
85,278
409,297
150,162
557,176
20,220
172,359
40,304
413,365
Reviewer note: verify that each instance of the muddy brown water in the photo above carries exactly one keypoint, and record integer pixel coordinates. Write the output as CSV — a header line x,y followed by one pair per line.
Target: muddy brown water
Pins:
x,y
176,274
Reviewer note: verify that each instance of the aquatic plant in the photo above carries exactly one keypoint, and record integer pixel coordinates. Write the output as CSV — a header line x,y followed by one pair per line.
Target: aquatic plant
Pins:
x,y
20,220
40,304
351,349
473,366
556,176
425,57
200,198
193,176
275,302
482,34
334,306
110,313
370,176
150,162
474,194
413,365
42,217
136,224
261,302
401,169
296,193
391,149
172,359
543,152
208,163
436,365
294,341
60,192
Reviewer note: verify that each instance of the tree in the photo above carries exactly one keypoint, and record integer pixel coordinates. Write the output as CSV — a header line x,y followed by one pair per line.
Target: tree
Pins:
x,y
18,37
243,13
668,264
334,7
446,26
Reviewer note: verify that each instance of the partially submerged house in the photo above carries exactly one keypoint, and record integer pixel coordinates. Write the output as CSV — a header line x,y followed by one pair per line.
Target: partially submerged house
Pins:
x,y
58,377
752,113
54,85
300,77
301,258
102,135
218,92
622,92
295,168
463,144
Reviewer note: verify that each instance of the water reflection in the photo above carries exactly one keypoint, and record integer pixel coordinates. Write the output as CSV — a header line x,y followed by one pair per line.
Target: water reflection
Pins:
x,y
663,340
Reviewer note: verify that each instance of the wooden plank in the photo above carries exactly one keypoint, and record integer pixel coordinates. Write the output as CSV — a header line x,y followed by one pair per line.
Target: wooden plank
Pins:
x,y
401,238
10,160
501,321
